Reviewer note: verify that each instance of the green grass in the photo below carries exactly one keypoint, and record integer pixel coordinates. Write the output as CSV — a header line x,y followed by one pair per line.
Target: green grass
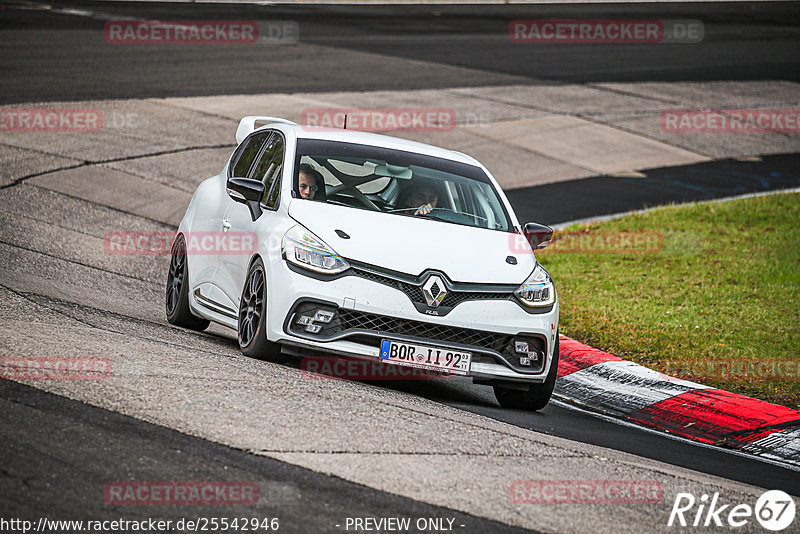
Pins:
x,y
718,286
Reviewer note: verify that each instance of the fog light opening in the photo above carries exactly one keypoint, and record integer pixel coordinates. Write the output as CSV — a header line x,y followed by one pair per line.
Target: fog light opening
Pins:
x,y
527,353
312,318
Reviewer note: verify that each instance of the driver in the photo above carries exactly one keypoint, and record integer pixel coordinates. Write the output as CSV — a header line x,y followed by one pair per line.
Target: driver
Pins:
x,y
309,180
423,199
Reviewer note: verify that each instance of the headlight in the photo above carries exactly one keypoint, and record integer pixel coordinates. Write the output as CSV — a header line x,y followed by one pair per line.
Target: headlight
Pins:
x,y
304,249
538,290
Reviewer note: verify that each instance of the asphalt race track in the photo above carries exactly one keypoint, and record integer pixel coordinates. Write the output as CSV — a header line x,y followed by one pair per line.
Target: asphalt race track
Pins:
x,y
605,195
58,58
62,481
189,406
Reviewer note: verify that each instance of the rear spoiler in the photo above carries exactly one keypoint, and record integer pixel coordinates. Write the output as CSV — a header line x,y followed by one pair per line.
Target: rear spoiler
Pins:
x,y
248,124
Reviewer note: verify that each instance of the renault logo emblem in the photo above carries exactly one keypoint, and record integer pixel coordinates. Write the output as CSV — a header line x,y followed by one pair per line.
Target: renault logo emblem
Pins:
x,y
434,291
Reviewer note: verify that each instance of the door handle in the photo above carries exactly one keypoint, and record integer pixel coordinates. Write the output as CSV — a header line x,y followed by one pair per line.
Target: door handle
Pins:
x,y
225,225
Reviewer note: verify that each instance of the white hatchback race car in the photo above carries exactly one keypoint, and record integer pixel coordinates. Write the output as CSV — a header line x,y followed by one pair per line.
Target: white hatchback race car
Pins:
x,y
368,246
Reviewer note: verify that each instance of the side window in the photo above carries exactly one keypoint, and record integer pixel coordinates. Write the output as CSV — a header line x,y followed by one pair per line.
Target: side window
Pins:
x,y
247,154
268,170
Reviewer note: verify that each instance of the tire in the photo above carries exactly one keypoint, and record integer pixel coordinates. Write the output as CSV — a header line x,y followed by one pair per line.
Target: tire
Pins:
x,y
251,329
177,291
536,397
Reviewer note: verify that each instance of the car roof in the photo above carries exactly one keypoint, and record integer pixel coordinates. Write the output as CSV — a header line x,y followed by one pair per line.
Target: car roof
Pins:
x,y
373,139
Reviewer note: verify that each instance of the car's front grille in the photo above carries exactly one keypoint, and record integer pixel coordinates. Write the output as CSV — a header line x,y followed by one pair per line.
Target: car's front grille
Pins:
x,y
351,320
413,289
369,328
454,298
441,333
414,292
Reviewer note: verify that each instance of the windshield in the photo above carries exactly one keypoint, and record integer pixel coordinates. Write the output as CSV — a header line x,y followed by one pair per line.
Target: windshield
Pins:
x,y
397,183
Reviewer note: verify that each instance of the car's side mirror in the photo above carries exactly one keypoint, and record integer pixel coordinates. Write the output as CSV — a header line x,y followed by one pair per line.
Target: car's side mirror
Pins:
x,y
247,191
538,235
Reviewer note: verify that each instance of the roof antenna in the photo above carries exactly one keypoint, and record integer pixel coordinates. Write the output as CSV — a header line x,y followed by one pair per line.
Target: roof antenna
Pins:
x,y
345,121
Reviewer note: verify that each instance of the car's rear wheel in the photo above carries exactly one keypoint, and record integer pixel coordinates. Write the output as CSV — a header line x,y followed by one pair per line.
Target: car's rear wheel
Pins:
x,y
536,397
177,297
252,327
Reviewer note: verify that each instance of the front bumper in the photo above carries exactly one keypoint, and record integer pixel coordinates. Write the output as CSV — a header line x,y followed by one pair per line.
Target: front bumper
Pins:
x,y
366,311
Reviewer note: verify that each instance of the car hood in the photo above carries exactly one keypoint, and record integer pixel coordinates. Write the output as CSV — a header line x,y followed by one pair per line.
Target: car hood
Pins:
x,y
414,244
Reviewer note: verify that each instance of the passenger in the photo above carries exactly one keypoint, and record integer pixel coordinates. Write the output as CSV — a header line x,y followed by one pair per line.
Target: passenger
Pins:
x,y
423,199
309,181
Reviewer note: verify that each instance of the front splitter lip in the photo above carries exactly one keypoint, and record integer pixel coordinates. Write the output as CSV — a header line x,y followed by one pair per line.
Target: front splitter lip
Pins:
x,y
350,349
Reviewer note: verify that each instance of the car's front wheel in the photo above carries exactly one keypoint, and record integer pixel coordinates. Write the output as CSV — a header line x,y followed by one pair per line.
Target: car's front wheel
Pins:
x,y
177,297
252,328
536,397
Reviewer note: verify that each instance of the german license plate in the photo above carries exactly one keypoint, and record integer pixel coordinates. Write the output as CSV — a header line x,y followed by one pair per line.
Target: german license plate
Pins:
x,y
424,357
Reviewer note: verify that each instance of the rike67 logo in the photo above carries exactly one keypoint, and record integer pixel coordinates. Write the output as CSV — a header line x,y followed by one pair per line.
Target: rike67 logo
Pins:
x,y
774,510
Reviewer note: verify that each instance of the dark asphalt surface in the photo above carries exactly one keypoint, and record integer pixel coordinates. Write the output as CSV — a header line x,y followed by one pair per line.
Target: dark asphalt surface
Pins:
x,y
580,426
604,195
57,453
49,56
